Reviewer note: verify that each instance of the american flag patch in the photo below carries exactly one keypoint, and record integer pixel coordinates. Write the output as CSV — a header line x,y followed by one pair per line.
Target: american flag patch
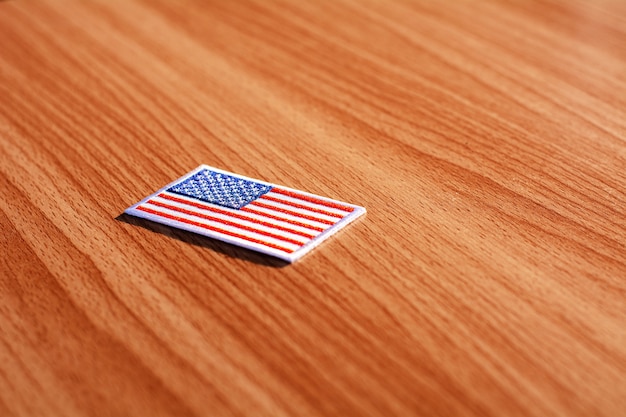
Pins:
x,y
253,214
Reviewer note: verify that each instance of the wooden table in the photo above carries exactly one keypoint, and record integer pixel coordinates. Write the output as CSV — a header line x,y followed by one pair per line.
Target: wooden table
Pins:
x,y
487,139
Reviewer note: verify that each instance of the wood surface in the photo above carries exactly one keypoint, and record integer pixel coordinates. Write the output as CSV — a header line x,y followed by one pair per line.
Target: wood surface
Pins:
x,y
487,140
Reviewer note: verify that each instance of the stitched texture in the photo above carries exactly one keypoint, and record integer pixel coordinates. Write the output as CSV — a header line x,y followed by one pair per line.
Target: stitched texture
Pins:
x,y
222,189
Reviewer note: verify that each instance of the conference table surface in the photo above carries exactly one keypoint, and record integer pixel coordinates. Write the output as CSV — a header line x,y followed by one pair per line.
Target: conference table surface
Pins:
x,y
486,139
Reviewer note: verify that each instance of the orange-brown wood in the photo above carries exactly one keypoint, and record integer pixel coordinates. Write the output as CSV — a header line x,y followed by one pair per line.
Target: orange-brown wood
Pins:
x,y
487,139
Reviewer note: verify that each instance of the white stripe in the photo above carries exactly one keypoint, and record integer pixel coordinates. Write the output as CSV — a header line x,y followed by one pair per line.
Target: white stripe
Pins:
x,y
222,226
274,204
305,203
234,219
290,217
259,217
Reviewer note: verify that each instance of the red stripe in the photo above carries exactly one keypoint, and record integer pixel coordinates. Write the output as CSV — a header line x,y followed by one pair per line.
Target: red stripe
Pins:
x,y
214,229
282,219
313,200
292,213
226,222
235,215
301,206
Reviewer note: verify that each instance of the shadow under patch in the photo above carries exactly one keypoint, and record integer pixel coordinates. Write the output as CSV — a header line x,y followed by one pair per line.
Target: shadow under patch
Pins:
x,y
198,240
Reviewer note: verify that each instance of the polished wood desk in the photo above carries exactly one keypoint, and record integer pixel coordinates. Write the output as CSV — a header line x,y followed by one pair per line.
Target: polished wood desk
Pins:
x,y
487,139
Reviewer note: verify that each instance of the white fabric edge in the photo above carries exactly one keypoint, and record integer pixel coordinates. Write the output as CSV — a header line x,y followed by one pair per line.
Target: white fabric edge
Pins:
x,y
316,241
213,235
289,257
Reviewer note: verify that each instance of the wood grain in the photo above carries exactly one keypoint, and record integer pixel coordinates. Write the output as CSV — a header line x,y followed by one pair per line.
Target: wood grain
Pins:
x,y
487,139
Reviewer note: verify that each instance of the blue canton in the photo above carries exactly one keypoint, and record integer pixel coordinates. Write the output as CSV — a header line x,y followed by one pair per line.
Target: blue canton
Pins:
x,y
221,189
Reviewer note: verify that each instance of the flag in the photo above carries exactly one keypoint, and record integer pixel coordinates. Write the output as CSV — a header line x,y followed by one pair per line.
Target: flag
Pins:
x,y
267,218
